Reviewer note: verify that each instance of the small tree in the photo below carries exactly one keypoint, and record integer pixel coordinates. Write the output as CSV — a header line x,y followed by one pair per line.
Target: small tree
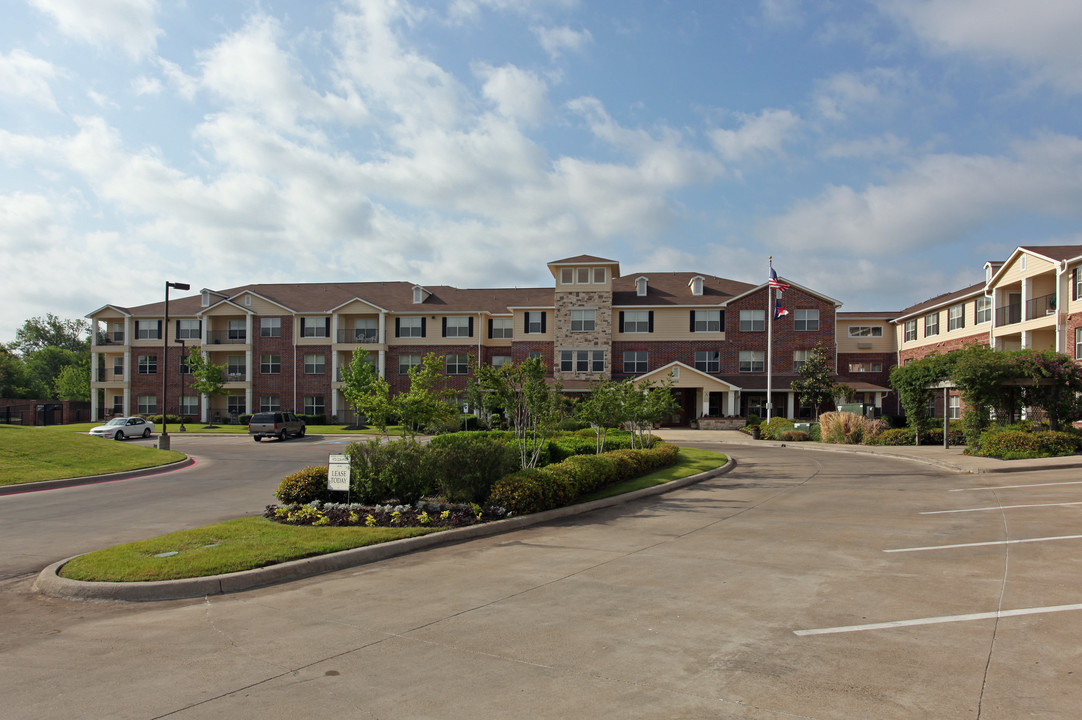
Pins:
x,y
603,409
644,404
366,392
208,379
844,393
427,402
816,383
531,407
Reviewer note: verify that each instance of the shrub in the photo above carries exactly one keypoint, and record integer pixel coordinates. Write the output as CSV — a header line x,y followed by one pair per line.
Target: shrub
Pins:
x,y
773,428
564,447
893,436
173,419
849,428
752,420
303,486
816,432
522,492
572,425
794,436
1008,443
398,470
592,472
464,465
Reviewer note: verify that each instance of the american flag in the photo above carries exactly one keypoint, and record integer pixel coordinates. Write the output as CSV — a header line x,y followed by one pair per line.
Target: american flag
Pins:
x,y
775,283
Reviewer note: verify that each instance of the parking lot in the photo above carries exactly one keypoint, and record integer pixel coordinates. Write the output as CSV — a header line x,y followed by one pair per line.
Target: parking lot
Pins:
x,y
802,584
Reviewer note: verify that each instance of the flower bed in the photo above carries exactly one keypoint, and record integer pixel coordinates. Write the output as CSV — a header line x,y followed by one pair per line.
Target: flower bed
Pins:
x,y
423,514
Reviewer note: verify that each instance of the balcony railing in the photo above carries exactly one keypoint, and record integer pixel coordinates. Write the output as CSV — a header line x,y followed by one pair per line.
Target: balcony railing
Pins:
x,y
109,375
358,336
111,338
1038,307
227,337
236,375
1009,314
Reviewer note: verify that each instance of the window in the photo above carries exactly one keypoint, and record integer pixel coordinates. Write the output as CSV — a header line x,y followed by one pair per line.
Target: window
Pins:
x,y
118,366
189,404
636,362
458,326
800,357
956,317
535,355
234,405
313,405
865,367
636,321
498,360
582,361
806,320
751,361
183,367
752,320
597,361
582,276
931,324
409,327
910,330
270,403
983,310
599,276
458,364
535,322
234,368
954,407
583,320
708,320
148,364
270,327
147,405
270,363
640,287
188,329
1078,343
567,276
567,361
501,328
708,361
315,326
858,331
1077,284
697,285
315,364
148,329
237,330
405,362
366,330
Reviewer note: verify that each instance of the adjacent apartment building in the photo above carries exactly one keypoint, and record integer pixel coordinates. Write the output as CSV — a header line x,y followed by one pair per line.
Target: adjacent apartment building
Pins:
x,y
283,345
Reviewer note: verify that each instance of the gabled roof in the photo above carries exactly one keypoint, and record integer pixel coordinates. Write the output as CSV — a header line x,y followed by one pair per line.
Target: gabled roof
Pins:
x,y
791,284
940,301
670,289
582,259
122,311
1051,253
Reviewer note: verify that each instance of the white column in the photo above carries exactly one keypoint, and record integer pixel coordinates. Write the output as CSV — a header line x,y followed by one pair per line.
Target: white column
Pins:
x,y
381,363
705,404
93,390
730,403
127,401
790,405
383,328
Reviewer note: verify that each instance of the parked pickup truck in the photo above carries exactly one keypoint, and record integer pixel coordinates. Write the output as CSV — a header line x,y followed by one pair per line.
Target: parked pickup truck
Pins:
x,y
275,424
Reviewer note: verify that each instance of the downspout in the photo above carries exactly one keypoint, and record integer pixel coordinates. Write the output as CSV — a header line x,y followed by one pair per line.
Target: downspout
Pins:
x,y
1061,330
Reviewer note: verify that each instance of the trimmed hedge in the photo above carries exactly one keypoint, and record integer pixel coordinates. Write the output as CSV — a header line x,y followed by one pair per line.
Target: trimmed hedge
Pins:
x,y
1019,443
534,490
303,486
466,464
772,429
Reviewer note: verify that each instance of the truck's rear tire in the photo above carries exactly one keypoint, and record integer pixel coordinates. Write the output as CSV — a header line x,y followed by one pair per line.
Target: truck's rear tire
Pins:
x,y
256,438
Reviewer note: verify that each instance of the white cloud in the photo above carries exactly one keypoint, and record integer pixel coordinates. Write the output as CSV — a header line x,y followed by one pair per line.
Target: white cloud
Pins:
x,y
556,40
1039,34
25,77
144,85
782,12
517,94
937,200
128,24
759,134
886,145
844,93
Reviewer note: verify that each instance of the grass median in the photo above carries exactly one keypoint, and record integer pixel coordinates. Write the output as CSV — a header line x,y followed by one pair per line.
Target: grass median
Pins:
x,y
254,542
30,454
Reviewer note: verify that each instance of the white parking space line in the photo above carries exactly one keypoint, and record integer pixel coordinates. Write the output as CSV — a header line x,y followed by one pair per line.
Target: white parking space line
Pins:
x,y
1014,487
998,507
939,620
984,544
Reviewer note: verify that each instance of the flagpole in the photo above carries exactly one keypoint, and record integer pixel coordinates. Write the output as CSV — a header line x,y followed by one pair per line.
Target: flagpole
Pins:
x,y
769,343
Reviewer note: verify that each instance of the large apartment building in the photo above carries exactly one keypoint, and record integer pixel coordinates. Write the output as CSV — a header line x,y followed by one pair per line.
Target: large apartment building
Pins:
x,y
283,345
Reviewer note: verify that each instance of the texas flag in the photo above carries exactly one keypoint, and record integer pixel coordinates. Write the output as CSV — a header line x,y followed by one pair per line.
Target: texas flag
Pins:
x,y
779,308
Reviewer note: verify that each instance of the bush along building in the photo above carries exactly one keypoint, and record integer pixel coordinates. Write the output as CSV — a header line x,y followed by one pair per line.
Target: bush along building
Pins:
x,y
284,345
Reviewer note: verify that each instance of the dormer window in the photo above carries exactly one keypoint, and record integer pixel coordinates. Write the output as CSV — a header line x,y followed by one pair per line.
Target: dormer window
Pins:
x,y
419,294
205,299
640,287
696,285
247,301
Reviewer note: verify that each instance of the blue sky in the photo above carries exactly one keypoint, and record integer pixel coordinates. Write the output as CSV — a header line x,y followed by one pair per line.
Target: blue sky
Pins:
x,y
880,151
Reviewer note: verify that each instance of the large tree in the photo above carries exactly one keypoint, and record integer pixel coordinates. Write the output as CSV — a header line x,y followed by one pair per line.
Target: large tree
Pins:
x,y
52,332
531,407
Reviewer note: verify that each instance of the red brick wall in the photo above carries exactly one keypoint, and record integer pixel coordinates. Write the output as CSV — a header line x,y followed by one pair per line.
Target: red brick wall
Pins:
x,y
281,384
785,339
661,353
941,347
520,351
1074,322
400,383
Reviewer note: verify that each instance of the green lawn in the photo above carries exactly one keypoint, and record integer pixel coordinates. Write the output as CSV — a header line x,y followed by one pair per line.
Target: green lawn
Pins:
x,y
230,546
203,429
253,542
30,454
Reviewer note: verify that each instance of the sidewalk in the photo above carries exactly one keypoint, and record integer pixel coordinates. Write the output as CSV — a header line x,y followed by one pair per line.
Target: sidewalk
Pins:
x,y
949,459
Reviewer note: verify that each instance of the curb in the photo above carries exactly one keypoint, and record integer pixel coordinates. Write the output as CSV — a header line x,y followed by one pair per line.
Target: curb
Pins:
x,y
95,479
50,583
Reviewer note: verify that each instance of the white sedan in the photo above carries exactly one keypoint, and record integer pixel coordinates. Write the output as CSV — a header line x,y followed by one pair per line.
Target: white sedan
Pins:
x,y
124,427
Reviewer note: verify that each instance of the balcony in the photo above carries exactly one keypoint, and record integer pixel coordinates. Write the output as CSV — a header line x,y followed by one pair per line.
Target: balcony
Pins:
x,y
111,338
227,337
359,335
235,374
1009,314
1038,307
109,375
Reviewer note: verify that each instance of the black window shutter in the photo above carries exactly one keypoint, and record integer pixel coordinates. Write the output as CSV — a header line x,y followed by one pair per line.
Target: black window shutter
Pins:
x,y
159,329
650,317
423,328
723,321
692,321
1074,285
200,328
444,328
526,322
490,328
621,321
177,333
471,326
542,322
302,327
398,327
327,326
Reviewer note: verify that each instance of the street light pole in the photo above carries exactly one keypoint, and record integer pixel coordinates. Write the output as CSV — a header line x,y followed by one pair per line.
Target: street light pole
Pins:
x,y
163,439
180,367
